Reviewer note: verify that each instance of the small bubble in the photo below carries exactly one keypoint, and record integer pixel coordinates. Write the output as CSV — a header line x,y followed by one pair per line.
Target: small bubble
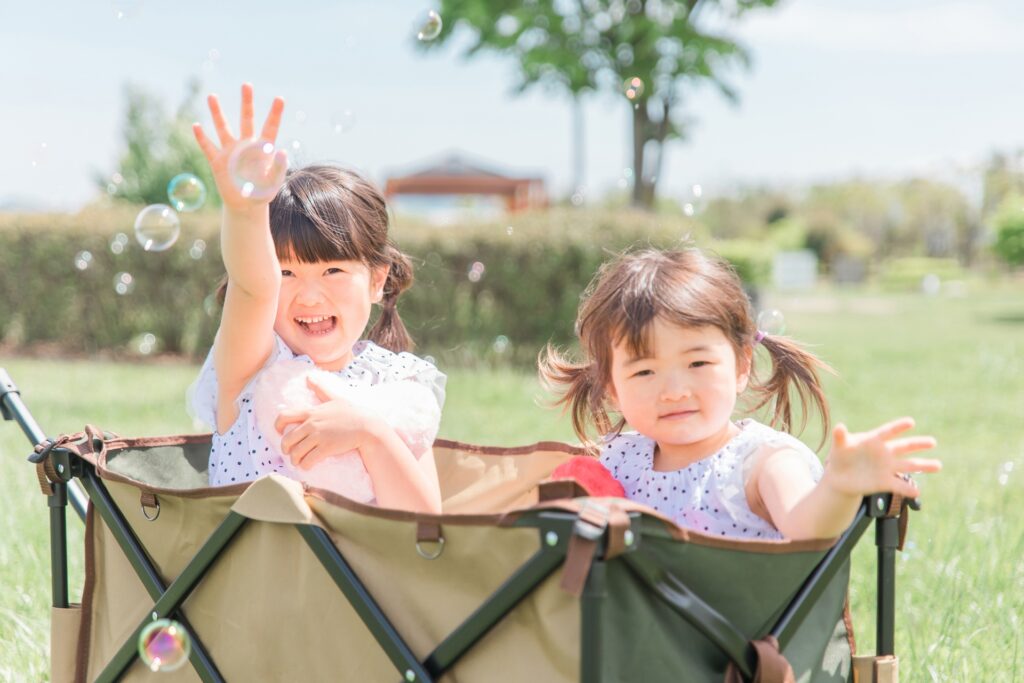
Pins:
x,y
688,209
300,117
1003,478
698,191
157,227
771,322
430,359
83,260
343,121
633,88
430,26
164,645
186,192
500,344
1007,466
509,230
210,305
124,283
476,271
197,249
119,243
144,344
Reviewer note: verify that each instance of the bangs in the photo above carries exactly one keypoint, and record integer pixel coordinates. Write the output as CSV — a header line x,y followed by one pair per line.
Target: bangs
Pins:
x,y
300,238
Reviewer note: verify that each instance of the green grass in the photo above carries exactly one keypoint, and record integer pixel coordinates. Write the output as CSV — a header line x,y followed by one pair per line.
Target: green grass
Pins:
x,y
956,364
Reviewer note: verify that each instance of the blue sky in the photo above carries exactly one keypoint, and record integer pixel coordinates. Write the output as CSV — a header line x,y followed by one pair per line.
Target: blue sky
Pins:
x,y
838,88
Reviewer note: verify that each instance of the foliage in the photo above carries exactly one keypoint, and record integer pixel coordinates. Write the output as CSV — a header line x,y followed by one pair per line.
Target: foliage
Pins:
x,y
1009,226
578,47
157,147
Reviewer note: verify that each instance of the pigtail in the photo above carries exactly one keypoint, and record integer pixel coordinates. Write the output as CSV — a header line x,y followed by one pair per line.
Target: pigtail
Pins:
x,y
579,392
793,367
389,330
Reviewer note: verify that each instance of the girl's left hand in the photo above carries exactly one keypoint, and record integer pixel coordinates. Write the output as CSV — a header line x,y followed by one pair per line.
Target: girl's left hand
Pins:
x,y
333,427
872,462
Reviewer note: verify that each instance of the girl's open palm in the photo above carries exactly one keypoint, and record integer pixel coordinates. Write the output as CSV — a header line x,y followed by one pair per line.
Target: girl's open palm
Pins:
x,y
863,463
218,156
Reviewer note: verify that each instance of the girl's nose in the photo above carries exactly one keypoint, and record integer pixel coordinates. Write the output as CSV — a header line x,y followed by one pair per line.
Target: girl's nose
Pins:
x,y
674,388
308,294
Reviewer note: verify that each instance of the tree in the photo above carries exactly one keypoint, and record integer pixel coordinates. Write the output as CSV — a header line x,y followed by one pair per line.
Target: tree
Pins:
x,y
1009,226
651,51
157,147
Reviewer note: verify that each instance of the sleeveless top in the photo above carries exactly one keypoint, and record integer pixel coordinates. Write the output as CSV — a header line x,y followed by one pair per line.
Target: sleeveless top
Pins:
x,y
709,495
242,453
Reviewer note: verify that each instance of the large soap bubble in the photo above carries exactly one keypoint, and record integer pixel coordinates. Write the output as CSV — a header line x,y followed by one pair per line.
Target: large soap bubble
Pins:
x,y
257,168
157,227
186,192
164,645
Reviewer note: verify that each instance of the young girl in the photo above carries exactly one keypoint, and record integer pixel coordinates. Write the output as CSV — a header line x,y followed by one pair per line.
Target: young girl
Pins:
x,y
302,273
668,343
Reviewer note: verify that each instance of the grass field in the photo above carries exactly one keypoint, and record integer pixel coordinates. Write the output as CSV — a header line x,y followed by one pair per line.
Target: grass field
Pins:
x,y
956,364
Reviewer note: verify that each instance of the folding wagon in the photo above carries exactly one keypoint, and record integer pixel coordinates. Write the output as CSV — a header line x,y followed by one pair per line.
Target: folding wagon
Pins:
x,y
520,579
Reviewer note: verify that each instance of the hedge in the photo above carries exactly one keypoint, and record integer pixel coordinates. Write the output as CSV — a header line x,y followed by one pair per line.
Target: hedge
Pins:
x,y
534,268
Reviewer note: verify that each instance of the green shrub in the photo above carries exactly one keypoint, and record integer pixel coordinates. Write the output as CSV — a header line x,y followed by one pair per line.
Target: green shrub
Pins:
x,y
535,268
907,274
1009,225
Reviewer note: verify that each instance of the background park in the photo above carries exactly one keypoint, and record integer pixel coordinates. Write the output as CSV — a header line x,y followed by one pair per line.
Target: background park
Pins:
x,y
883,141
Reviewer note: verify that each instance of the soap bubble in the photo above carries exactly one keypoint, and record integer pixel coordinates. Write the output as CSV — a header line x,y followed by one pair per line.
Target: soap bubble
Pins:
x,y
343,121
119,243
157,227
633,88
83,260
257,169
197,249
429,26
688,208
164,645
124,283
211,306
476,271
501,344
771,322
144,343
931,284
509,230
186,192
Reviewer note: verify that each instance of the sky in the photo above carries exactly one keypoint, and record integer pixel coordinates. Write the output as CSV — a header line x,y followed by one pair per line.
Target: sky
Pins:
x,y
837,89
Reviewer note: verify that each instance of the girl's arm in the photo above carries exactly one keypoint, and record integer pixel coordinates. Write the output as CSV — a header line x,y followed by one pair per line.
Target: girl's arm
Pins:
x,y
400,480
859,465
245,337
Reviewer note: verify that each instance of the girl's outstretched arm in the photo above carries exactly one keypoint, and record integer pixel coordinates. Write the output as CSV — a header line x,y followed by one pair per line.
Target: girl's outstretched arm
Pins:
x,y
860,464
245,337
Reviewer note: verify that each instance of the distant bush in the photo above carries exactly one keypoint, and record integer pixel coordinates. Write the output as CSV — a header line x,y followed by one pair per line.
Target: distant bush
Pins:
x,y
907,274
1009,226
534,268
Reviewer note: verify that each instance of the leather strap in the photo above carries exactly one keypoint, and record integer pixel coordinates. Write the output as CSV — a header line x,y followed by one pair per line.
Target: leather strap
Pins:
x,y
772,665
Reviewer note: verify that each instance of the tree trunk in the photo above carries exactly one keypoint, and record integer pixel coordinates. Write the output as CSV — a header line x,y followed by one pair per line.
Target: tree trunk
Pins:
x,y
640,128
578,177
645,181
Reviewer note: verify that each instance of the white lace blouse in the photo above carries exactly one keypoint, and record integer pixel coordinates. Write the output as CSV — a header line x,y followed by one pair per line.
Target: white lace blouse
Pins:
x,y
242,453
708,496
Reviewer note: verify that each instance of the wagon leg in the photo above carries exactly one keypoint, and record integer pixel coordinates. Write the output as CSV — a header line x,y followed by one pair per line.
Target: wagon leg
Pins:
x,y
591,627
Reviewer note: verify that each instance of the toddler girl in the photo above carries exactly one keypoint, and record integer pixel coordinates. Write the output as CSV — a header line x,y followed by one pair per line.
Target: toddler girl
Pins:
x,y
668,343
303,271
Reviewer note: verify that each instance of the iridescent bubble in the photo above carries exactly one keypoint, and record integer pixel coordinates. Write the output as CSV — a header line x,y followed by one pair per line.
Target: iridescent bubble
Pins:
x,y
633,88
164,645
144,344
186,192
430,359
119,243
124,283
211,306
476,271
157,227
83,260
501,344
126,9
429,26
343,121
698,191
257,169
688,209
509,230
771,322
197,250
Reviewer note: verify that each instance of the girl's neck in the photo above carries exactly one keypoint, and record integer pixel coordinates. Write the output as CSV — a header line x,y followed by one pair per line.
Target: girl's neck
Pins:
x,y
672,457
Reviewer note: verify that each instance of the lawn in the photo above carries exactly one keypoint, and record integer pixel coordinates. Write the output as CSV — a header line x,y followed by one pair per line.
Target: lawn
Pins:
x,y
954,363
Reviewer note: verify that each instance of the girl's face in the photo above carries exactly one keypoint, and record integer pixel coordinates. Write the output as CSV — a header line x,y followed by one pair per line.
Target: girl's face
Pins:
x,y
683,395
324,307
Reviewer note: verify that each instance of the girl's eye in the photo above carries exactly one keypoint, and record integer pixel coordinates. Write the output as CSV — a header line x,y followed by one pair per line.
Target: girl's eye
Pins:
x,y
699,363
642,373
287,273
332,271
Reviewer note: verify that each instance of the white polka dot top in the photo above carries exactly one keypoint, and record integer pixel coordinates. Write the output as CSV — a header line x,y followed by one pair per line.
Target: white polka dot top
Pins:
x,y
242,453
708,496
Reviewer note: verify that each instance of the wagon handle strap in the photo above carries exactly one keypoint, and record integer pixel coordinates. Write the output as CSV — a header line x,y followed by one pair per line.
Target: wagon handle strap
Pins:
x,y
45,471
900,507
772,665
593,519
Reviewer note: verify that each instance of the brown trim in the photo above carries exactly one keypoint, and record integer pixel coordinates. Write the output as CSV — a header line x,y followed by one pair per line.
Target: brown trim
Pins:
x,y
556,446
85,624
848,621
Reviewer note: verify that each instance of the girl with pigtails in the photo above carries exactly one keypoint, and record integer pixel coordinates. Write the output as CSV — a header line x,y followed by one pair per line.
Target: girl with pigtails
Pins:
x,y
289,386
669,345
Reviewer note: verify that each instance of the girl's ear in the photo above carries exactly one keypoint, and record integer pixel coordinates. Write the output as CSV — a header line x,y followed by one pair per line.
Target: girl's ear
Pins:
x,y
744,363
378,278
611,397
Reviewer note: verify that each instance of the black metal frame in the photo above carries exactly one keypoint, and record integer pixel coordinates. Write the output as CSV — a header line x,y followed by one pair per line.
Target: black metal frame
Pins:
x,y
555,529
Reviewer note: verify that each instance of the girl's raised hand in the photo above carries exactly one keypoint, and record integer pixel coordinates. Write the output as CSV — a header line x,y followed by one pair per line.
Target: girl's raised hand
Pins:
x,y
218,157
873,462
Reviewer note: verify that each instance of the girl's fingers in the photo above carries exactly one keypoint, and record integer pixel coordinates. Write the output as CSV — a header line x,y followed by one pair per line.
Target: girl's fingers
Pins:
x,y
273,122
840,435
905,487
221,126
287,417
891,429
247,113
205,144
911,444
918,465
299,451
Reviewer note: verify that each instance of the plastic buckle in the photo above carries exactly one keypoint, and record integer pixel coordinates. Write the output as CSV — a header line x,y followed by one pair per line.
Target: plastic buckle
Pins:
x,y
591,522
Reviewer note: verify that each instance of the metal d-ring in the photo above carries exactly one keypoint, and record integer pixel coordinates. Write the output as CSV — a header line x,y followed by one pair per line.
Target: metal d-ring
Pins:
x,y
431,556
146,514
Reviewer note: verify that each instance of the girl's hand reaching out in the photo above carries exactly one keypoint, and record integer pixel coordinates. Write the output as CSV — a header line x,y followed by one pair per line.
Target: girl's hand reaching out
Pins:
x,y
872,462
271,175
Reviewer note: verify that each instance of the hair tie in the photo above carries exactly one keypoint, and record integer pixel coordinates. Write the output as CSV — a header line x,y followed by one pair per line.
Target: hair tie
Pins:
x,y
759,336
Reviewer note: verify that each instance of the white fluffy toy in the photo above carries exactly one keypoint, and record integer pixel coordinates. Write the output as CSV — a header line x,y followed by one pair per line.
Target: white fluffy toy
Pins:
x,y
408,406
